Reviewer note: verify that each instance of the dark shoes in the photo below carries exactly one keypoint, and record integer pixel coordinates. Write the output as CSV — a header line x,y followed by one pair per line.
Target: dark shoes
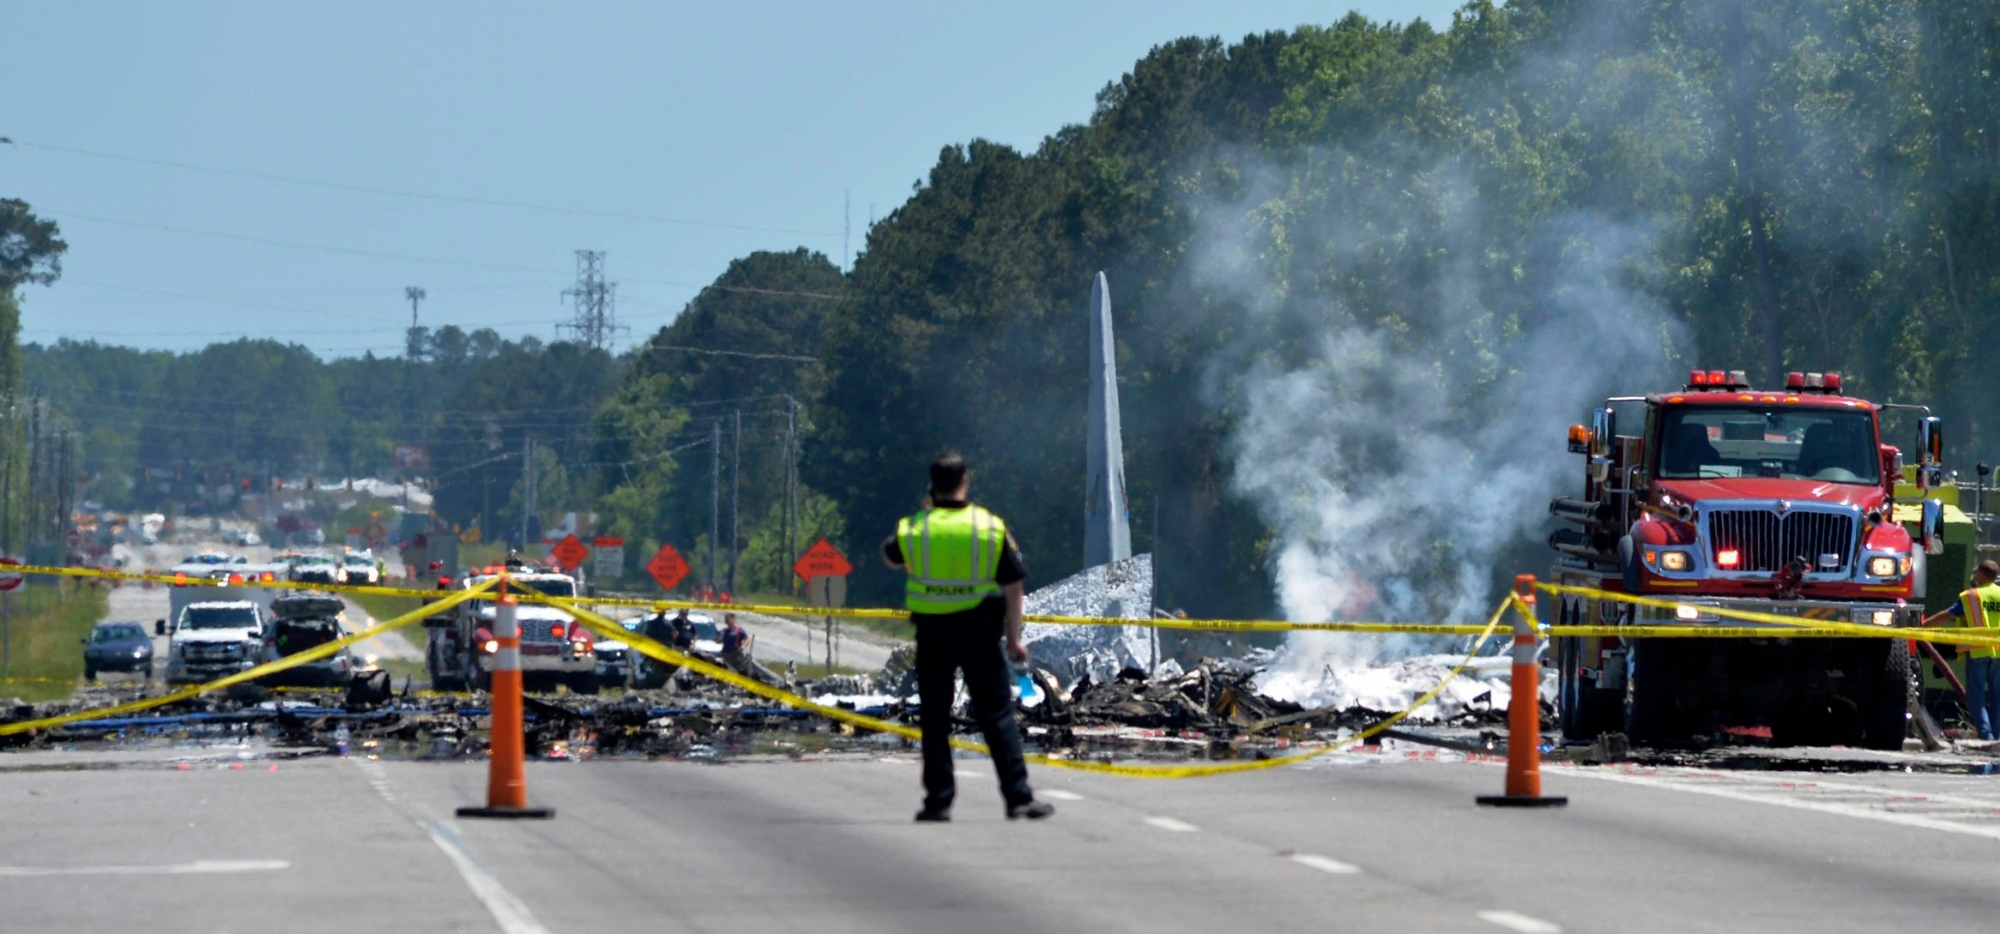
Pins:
x,y
931,815
1033,810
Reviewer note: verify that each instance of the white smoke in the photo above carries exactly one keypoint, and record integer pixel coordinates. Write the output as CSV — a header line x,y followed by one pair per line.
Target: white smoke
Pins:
x,y
1397,462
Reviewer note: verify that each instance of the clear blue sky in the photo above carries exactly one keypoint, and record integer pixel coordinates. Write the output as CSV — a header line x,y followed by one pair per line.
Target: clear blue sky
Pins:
x,y
755,115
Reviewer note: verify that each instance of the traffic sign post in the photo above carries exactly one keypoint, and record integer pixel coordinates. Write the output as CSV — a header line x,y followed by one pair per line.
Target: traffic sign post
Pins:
x,y
667,568
825,571
7,582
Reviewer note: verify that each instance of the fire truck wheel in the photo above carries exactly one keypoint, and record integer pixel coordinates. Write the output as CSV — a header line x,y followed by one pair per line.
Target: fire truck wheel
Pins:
x,y
584,684
1886,718
1650,717
482,680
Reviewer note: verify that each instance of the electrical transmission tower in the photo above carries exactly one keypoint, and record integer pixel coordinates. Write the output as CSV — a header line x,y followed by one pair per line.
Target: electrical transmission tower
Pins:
x,y
596,322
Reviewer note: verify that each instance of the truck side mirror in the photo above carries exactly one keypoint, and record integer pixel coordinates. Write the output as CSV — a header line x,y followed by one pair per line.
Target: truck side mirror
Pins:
x,y
1930,451
1933,527
1603,428
159,627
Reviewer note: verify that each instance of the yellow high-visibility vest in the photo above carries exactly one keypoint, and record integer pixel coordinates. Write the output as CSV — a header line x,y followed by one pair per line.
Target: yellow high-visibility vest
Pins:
x,y
1982,611
951,556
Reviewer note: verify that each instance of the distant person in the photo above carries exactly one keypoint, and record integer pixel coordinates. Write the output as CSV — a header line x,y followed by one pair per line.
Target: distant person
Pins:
x,y
1979,608
684,632
660,628
735,645
964,594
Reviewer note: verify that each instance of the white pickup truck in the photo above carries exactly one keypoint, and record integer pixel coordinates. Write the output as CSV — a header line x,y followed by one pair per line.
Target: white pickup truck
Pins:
x,y
213,638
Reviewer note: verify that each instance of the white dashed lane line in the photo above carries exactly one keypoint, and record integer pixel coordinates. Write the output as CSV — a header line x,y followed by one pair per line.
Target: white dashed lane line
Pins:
x,y
198,867
1057,794
1515,921
1168,823
1325,864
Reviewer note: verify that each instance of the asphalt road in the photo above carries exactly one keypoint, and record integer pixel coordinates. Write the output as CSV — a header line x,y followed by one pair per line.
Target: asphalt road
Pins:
x,y
1358,843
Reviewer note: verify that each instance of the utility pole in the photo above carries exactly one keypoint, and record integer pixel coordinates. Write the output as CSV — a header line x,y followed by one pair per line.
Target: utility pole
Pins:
x,y
413,342
714,496
846,225
791,517
596,322
735,493
527,487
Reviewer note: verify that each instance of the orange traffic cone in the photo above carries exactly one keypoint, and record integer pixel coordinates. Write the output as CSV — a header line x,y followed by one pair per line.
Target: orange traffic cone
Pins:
x,y
1524,713
507,781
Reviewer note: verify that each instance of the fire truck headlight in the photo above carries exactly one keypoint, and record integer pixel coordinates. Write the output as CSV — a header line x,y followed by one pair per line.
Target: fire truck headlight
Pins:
x,y
490,646
1882,566
1687,613
1674,561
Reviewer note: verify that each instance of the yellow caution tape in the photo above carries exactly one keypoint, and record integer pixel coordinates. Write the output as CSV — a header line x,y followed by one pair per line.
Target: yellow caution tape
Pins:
x,y
1796,626
290,661
1207,625
654,650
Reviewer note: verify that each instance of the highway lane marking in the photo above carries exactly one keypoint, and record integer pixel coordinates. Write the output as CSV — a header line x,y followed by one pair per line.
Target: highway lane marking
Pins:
x,y
1169,823
1515,921
1057,794
508,911
965,773
1689,784
1325,864
198,867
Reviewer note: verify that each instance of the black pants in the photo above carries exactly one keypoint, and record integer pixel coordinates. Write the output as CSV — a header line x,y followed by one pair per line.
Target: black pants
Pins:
x,y
968,641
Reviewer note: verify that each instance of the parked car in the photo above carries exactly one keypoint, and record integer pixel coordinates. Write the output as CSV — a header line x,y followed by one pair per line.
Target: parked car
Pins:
x,y
317,569
618,664
118,647
360,567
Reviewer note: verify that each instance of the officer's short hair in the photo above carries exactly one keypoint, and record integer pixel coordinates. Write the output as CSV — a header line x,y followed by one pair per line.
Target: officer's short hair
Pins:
x,y
947,472
1989,568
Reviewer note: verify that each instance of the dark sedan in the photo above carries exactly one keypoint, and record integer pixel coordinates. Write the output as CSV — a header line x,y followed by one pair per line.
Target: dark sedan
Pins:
x,y
118,647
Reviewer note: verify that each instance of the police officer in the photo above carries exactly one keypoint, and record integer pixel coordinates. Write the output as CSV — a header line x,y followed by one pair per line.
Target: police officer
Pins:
x,y
1980,609
964,592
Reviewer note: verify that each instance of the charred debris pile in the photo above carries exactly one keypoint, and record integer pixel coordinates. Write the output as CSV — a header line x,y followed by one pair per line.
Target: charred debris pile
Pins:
x,y
1215,701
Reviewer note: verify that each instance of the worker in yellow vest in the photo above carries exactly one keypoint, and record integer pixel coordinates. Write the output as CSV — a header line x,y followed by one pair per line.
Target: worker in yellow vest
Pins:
x,y
1979,608
964,594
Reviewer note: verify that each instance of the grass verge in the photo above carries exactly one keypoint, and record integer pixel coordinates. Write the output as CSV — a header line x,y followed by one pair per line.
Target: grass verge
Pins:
x,y
44,658
897,629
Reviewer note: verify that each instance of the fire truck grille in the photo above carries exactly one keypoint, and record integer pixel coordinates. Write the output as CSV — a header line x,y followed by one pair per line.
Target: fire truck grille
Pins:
x,y
1765,541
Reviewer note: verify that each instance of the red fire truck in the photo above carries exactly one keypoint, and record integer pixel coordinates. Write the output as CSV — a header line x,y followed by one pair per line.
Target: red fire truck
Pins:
x,y
1779,501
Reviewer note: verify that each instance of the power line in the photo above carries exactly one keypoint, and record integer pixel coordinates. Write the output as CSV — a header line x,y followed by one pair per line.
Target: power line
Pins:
x,y
423,195
406,257
735,353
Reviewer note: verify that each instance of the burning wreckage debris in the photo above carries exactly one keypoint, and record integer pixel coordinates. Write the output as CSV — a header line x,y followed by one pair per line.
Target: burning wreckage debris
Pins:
x,y
1217,702
1086,686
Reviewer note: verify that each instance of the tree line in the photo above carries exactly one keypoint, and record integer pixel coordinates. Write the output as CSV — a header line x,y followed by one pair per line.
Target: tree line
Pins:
x,y
1363,275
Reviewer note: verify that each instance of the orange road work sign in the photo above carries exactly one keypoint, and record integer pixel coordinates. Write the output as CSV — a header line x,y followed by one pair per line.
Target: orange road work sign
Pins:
x,y
822,560
667,567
